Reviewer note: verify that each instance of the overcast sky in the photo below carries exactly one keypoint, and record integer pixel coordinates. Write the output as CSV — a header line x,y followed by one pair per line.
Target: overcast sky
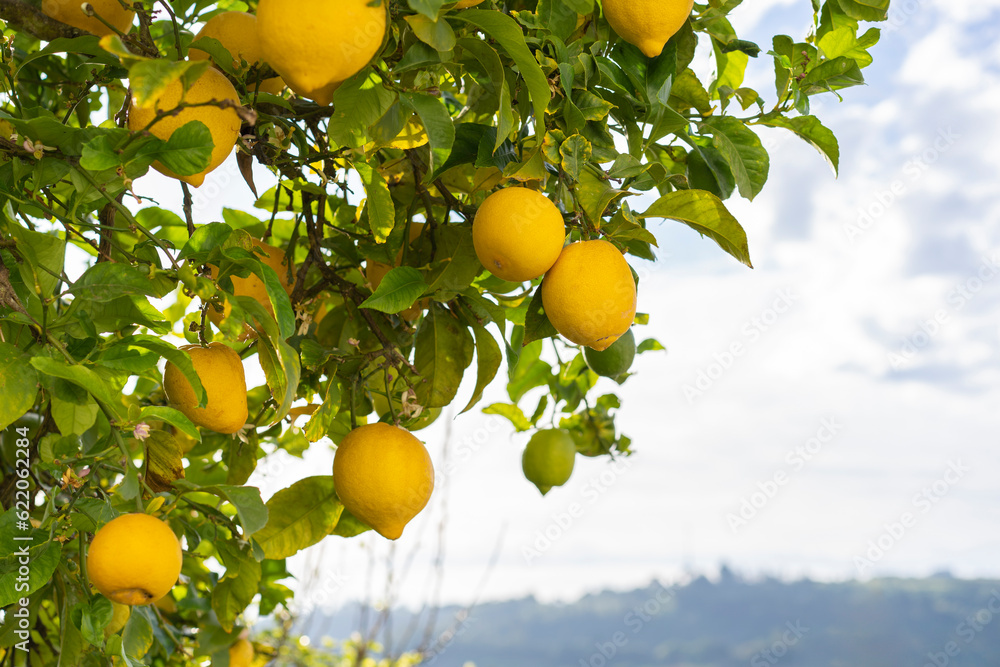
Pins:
x,y
861,406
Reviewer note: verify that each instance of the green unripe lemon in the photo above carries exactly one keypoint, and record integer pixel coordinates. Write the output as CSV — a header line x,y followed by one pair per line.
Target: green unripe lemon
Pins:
x,y
548,459
615,360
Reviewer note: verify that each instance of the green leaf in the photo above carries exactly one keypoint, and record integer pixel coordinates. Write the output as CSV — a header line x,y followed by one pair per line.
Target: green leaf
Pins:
x,y
689,91
650,345
148,79
440,357
626,166
707,215
73,410
221,56
427,8
810,129
865,10
109,280
18,385
82,376
299,517
576,153
44,255
744,152
488,357
536,323
592,107
188,151
91,617
350,526
731,68
490,60
511,413
357,104
278,359
99,154
379,207
280,302
436,34
529,372
399,290
171,416
320,422
707,169
595,193
206,239
506,32
44,559
137,637
842,72
237,587
247,501
456,265
437,121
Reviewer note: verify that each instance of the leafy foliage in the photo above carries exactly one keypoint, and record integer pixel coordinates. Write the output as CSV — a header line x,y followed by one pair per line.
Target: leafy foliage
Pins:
x,y
457,103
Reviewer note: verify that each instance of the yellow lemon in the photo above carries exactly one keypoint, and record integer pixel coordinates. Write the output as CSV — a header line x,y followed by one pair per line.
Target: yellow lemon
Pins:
x,y
237,31
224,124
315,45
253,286
220,370
548,459
518,234
589,295
468,3
648,24
375,272
241,653
134,559
119,617
384,476
71,13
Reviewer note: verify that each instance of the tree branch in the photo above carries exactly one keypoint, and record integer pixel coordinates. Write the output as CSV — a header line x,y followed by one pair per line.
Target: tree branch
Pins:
x,y
22,17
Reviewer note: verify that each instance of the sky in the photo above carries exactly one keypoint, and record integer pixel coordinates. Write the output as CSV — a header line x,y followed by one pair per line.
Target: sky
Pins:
x,y
831,414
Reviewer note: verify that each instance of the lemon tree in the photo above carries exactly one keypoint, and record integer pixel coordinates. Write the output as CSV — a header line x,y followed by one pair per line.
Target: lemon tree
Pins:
x,y
457,195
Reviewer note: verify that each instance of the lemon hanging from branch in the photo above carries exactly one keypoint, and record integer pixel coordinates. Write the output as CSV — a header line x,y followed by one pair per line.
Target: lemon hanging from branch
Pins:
x,y
648,24
315,45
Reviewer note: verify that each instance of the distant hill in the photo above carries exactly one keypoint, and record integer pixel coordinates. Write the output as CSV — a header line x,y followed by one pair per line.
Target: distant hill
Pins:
x,y
936,622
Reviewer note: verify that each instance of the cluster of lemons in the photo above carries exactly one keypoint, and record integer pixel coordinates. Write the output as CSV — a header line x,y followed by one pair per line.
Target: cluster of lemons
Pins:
x,y
383,473
283,35
588,294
